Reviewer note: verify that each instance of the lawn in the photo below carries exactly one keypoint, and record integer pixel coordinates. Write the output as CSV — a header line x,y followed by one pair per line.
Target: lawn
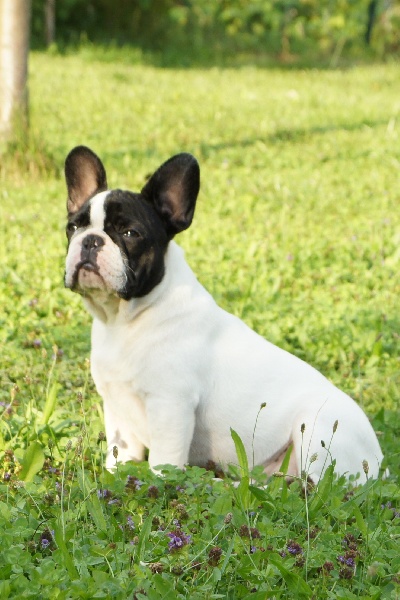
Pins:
x,y
297,231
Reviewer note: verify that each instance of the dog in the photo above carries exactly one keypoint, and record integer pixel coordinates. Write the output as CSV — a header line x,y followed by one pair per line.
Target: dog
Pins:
x,y
175,371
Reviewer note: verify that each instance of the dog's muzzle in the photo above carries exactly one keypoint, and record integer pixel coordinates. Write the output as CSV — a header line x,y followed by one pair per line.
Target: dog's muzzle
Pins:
x,y
91,245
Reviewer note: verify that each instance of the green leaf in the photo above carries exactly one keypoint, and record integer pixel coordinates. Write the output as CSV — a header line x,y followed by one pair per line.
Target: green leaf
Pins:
x,y
323,491
294,582
228,555
360,520
50,403
242,493
5,589
32,461
143,537
286,460
222,505
241,454
91,500
262,496
64,552
263,595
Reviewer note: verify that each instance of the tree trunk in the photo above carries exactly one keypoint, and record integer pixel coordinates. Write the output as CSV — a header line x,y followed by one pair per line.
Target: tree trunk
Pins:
x,y
14,49
372,8
50,21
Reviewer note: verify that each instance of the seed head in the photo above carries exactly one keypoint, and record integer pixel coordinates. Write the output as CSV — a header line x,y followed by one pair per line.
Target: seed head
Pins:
x,y
115,452
228,518
177,570
335,425
278,474
214,556
303,427
156,567
365,466
153,491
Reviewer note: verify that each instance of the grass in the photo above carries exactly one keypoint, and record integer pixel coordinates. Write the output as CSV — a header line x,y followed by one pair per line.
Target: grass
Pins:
x,y
297,232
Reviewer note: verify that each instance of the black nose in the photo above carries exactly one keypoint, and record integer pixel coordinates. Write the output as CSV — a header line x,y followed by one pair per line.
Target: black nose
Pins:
x,y
92,242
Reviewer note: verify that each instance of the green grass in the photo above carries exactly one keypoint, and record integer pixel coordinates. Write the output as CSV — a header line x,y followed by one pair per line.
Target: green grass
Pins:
x,y
297,231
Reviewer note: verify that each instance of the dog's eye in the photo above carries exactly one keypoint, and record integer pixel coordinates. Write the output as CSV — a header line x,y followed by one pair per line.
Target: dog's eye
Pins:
x,y
131,233
71,227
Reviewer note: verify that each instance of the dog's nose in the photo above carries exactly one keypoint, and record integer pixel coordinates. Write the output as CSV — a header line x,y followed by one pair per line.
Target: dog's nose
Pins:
x,y
92,242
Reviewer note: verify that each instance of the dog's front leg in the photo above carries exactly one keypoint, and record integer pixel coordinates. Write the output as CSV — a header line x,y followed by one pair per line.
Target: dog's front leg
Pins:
x,y
119,430
171,425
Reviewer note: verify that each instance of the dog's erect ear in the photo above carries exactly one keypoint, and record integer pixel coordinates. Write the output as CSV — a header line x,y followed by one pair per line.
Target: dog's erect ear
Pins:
x,y
85,176
173,189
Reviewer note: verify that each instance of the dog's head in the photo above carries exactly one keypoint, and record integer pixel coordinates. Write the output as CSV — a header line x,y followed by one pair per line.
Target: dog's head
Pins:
x,y
117,239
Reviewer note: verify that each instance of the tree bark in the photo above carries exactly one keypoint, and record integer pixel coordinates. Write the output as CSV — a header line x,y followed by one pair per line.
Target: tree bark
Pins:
x,y
14,50
50,21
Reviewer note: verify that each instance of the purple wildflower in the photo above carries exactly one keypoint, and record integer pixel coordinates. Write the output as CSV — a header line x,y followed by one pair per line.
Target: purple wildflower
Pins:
x,y
294,548
133,484
178,539
104,494
46,539
349,561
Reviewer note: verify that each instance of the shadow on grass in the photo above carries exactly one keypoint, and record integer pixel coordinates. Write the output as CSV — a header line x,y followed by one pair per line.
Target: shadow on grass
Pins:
x,y
209,56
281,136
292,136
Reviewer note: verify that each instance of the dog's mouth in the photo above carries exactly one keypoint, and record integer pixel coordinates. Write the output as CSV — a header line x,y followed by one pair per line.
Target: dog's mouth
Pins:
x,y
86,275
87,265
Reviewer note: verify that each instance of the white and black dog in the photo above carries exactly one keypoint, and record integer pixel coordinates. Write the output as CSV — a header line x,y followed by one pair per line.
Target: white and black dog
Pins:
x,y
175,371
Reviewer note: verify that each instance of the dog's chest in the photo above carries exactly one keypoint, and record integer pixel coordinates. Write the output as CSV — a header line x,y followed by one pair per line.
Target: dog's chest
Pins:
x,y
115,356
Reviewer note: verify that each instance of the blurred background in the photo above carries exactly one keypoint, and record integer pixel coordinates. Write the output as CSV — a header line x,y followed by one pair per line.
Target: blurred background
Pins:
x,y
199,31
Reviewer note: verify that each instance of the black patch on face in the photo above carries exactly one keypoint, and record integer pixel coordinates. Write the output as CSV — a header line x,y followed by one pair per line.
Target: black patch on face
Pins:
x,y
78,220
135,227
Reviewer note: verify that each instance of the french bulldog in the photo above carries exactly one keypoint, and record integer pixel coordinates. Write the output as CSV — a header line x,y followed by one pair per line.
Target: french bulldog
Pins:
x,y
175,371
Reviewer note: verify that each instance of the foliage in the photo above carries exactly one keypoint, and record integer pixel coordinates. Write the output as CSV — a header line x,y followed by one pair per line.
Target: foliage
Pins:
x,y
297,232
202,31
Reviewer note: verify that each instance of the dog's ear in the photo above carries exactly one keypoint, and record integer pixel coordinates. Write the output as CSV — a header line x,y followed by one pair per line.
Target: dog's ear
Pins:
x,y
85,176
173,189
